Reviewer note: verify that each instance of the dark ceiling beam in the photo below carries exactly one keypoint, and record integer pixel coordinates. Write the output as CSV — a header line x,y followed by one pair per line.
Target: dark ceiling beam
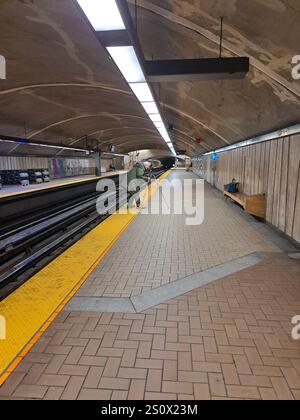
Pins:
x,y
114,38
197,69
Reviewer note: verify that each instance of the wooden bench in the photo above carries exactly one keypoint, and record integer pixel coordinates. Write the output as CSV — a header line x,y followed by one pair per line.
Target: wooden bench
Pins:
x,y
252,204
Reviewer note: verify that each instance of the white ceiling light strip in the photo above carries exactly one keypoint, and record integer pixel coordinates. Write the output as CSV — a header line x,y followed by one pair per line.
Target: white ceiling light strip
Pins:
x,y
150,107
285,132
128,64
142,92
104,15
49,146
156,118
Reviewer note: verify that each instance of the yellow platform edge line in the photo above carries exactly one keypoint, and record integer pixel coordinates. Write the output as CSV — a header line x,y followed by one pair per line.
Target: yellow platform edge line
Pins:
x,y
18,359
23,351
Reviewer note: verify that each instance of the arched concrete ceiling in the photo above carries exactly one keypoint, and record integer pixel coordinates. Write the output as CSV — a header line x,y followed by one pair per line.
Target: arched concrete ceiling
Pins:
x,y
153,154
221,112
61,85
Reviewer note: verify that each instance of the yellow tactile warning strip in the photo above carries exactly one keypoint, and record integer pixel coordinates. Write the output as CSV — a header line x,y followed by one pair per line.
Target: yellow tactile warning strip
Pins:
x,y
31,309
62,184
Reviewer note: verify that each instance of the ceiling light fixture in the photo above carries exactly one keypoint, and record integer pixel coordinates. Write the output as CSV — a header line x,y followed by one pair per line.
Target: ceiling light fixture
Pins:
x,y
142,92
156,118
114,16
128,63
285,132
104,15
150,107
22,142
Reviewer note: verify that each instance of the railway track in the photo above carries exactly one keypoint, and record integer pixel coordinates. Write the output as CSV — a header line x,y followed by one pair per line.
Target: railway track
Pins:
x,y
26,248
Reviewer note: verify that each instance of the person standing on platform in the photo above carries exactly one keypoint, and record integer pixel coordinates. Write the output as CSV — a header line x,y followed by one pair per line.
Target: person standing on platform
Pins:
x,y
134,177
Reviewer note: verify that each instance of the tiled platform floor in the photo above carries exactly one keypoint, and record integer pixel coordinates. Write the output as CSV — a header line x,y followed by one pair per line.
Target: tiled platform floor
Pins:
x,y
159,249
231,339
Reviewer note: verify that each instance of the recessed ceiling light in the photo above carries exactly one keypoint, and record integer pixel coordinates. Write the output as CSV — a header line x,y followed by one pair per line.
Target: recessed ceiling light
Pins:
x,y
104,15
49,146
128,63
156,118
150,107
142,92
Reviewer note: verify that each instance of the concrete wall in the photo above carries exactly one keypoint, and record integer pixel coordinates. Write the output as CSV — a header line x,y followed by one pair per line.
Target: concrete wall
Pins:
x,y
59,168
271,168
26,162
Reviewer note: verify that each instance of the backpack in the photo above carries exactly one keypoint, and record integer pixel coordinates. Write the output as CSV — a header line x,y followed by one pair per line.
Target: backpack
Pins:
x,y
233,188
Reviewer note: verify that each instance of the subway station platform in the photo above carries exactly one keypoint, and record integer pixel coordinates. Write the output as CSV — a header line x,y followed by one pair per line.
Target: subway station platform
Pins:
x,y
145,307
15,190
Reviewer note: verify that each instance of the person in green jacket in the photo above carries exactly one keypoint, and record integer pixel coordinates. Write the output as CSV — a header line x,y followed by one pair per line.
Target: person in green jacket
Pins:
x,y
134,177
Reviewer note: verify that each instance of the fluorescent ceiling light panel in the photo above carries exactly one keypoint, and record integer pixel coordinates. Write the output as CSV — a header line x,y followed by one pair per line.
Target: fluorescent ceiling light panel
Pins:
x,y
104,15
163,132
142,92
128,63
156,118
49,146
289,131
150,107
